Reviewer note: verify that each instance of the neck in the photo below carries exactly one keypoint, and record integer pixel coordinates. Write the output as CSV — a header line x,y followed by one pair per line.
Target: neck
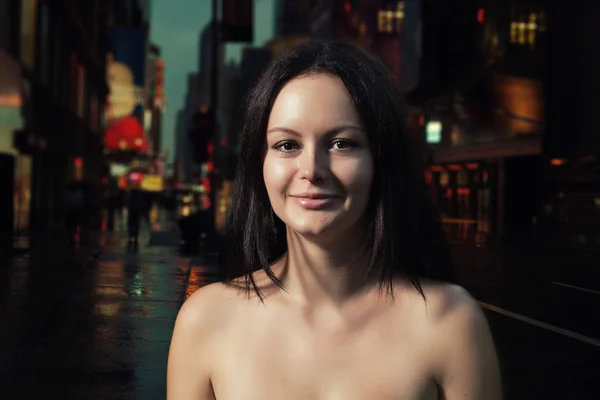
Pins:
x,y
319,273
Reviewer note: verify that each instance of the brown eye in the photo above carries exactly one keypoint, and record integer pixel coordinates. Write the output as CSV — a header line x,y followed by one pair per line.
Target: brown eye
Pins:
x,y
342,145
286,146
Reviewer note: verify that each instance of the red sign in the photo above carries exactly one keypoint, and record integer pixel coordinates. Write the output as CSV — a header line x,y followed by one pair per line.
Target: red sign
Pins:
x,y
126,134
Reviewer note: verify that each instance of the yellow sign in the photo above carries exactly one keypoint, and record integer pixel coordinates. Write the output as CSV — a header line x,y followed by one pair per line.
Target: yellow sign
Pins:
x,y
152,183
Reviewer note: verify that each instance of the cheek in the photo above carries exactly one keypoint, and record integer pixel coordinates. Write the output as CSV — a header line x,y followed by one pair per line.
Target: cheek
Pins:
x,y
276,175
357,178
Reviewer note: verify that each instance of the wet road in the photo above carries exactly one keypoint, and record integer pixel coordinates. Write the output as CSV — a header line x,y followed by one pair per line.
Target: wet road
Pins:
x,y
96,324
92,324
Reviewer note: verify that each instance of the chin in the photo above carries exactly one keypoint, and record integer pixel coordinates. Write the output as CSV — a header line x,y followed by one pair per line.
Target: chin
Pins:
x,y
316,226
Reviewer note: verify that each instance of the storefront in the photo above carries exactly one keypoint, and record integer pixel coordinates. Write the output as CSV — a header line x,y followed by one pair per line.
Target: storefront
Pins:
x,y
465,195
16,168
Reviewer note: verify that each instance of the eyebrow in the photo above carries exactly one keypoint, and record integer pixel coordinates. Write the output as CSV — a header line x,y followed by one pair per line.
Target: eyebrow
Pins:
x,y
337,129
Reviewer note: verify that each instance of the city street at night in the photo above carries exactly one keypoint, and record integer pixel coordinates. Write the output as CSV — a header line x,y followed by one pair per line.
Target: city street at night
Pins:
x,y
141,138
96,323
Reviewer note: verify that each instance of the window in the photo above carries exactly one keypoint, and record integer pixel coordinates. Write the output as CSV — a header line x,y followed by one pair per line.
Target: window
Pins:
x,y
525,29
433,132
390,21
28,32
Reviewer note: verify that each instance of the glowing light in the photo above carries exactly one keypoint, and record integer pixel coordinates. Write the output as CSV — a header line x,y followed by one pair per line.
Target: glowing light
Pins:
x,y
13,100
78,162
481,15
347,7
557,162
433,132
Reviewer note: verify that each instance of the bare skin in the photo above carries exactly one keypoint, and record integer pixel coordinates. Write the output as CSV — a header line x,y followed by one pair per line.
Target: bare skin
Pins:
x,y
228,346
327,336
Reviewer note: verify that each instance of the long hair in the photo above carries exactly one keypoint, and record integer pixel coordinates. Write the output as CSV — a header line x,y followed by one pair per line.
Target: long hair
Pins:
x,y
404,232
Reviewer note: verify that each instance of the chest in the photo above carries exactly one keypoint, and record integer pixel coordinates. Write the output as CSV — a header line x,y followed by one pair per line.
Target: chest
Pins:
x,y
274,361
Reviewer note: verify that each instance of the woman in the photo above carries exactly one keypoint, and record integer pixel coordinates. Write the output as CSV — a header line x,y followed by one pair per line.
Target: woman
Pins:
x,y
336,257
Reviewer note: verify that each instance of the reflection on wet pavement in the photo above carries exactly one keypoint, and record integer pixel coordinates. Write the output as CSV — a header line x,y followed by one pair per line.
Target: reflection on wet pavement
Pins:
x,y
89,325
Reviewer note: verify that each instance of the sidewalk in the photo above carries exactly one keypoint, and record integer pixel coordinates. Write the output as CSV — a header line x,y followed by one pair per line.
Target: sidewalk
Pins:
x,y
93,323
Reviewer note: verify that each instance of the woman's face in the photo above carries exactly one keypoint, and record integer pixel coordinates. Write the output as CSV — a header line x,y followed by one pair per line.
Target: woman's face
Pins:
x,y
318,166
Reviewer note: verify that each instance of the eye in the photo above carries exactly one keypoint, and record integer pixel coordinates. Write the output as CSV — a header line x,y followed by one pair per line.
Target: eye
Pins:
x,y
342,144
286,146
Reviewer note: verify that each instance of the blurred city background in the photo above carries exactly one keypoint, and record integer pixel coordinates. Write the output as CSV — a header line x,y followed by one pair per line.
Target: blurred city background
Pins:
x,y
119,139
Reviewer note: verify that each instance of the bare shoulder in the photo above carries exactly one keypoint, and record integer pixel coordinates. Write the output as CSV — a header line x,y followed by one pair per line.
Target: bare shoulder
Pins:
x,y
195,343
443,302
214,307
466,361
451,313
451,304
207,308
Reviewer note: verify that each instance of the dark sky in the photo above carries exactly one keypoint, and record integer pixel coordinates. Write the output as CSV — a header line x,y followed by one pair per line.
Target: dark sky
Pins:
x,y
176,27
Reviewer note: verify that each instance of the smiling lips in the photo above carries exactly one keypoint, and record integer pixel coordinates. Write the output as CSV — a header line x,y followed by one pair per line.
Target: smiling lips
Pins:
x,y
314,201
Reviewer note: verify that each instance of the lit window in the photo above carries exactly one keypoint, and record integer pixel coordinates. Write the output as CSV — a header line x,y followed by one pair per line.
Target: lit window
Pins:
x,y
28,32
532,27
524,31
433,132
513,32
390,21
521,27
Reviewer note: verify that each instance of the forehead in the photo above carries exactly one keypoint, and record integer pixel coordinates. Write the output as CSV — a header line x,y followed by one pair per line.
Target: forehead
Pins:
x,y
313,102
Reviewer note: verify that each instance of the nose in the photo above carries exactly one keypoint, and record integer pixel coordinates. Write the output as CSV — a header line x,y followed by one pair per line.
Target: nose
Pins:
x,y
313,164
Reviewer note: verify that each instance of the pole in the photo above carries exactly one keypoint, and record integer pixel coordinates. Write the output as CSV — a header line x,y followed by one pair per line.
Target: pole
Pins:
x,y
214,70
214,98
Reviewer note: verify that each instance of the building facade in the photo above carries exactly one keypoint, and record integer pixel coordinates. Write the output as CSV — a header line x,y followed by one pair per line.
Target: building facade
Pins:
x,y
571,203
506,94
155,99
57,49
